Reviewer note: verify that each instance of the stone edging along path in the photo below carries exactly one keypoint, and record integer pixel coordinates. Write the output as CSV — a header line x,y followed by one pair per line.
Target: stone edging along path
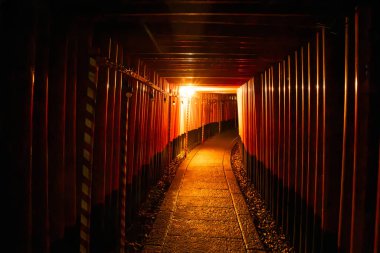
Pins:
x,y
204,209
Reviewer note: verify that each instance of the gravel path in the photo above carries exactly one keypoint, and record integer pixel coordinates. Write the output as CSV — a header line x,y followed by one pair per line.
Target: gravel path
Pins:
x,y
269,233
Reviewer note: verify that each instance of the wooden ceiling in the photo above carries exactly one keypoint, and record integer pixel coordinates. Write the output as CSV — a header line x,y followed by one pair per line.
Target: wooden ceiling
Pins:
x,y
213,42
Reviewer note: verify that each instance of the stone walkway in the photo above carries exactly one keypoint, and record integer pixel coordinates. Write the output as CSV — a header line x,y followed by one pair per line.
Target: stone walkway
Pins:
x,y
204,210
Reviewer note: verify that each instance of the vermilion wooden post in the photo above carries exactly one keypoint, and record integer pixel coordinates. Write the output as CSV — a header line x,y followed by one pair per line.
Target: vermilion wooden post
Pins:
x,y
150,143
273,167
308,147
279,161
295,210
288,168
248,130
355,144
100,176
110,144
40,207
131,152
323,171
27,218
71,137
256,133
170,129
56,132
138,143
160,120
269,112
376,240
117,118
124,170
265,114
262,137
144,153
315,198
116,168
284,149
302,192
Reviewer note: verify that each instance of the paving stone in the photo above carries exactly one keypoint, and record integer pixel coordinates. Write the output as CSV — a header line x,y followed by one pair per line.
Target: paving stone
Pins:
x,y
235,245
250,233
203,244
208,163
200,173
240,205
205,213
206,202
204,192
205,185
205,228
205,168
206,179
234,187
230,175
227,165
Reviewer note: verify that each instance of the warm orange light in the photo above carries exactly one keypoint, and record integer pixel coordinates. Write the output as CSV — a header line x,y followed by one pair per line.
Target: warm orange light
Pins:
x,y
216,89
186,91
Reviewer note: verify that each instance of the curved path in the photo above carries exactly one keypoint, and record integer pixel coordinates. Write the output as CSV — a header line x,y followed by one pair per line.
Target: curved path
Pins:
x,y
204,210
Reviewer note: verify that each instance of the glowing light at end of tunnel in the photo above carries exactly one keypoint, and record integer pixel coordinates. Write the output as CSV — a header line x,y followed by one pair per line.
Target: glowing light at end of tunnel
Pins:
x,y
186,91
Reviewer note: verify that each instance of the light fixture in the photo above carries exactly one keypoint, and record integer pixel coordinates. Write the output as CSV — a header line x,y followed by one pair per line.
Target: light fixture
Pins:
x,y
151,96
129,88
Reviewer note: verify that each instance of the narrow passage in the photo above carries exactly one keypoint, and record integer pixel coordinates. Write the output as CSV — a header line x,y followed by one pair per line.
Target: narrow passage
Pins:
x,y
204,210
